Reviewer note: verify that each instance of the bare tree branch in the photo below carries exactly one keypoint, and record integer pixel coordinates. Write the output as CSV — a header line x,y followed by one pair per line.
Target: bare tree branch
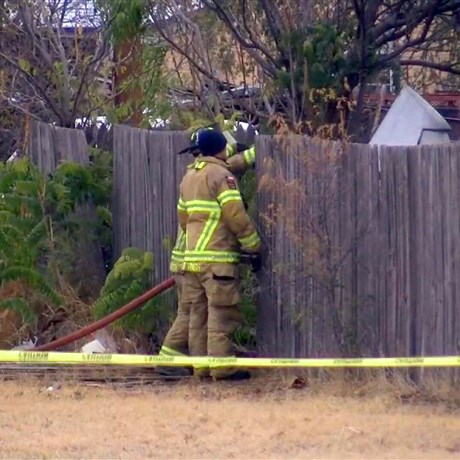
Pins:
x,y
56,67
34,82
450,68
89,72
189,58
409,43
250,45
274,20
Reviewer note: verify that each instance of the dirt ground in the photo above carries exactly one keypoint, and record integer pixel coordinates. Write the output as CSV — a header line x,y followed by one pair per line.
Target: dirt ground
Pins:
x,y
191,420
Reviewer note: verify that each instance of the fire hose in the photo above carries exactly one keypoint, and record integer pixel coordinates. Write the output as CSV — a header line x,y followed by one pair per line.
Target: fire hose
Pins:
x,y
103,322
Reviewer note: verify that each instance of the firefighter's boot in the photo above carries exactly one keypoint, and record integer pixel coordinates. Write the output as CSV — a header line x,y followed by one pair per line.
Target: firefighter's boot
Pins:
x,y
236,376
173,373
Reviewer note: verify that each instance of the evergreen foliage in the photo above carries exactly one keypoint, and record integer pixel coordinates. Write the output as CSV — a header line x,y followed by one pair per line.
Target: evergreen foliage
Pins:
x,y
37,220
130,278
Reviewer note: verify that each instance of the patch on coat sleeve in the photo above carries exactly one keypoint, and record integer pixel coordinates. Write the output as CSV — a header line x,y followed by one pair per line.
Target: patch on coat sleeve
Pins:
x,y
231,182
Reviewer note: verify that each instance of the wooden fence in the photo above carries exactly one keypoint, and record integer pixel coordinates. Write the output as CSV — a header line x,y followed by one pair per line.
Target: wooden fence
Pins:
x,y
48,146
362,245
362,249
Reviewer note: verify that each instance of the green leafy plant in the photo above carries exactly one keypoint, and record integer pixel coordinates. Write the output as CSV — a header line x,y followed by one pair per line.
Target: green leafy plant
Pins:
x,y
130,277
39,225
24,229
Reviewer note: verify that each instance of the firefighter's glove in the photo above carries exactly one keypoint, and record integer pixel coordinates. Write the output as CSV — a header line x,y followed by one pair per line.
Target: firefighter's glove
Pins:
x,y
254,260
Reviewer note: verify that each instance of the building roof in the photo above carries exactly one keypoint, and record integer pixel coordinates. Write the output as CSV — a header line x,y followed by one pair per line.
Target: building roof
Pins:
x,y
411,121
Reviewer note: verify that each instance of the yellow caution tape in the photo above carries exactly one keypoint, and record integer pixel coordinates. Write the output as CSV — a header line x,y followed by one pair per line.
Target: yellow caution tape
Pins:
x,y
44,357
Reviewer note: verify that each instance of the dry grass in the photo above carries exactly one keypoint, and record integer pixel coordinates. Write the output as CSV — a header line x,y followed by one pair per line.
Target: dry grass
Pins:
x,y
193,420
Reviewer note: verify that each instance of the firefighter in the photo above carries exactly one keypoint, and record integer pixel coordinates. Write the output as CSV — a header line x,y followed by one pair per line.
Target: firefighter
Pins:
x,y
212,214
176,341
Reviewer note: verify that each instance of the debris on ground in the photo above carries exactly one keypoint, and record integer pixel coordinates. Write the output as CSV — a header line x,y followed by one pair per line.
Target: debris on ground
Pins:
x,y
26,345
93,347
102,342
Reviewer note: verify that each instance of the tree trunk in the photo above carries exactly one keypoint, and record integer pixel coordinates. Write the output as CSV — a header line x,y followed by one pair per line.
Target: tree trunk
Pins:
x,y
356,130
128,91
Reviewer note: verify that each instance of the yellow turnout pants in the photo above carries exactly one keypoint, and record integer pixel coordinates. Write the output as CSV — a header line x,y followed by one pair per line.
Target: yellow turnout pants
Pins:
x,y
211,296
176,341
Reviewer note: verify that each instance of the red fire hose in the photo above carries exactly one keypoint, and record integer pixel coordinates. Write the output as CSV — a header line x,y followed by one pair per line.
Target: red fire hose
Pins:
x,y
103,322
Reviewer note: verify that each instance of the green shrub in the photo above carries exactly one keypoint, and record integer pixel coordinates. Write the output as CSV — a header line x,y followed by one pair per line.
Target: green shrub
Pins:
x,y
130,278
38,229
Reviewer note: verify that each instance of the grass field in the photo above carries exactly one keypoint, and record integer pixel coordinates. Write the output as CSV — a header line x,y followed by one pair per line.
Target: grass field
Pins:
x,y
260,420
